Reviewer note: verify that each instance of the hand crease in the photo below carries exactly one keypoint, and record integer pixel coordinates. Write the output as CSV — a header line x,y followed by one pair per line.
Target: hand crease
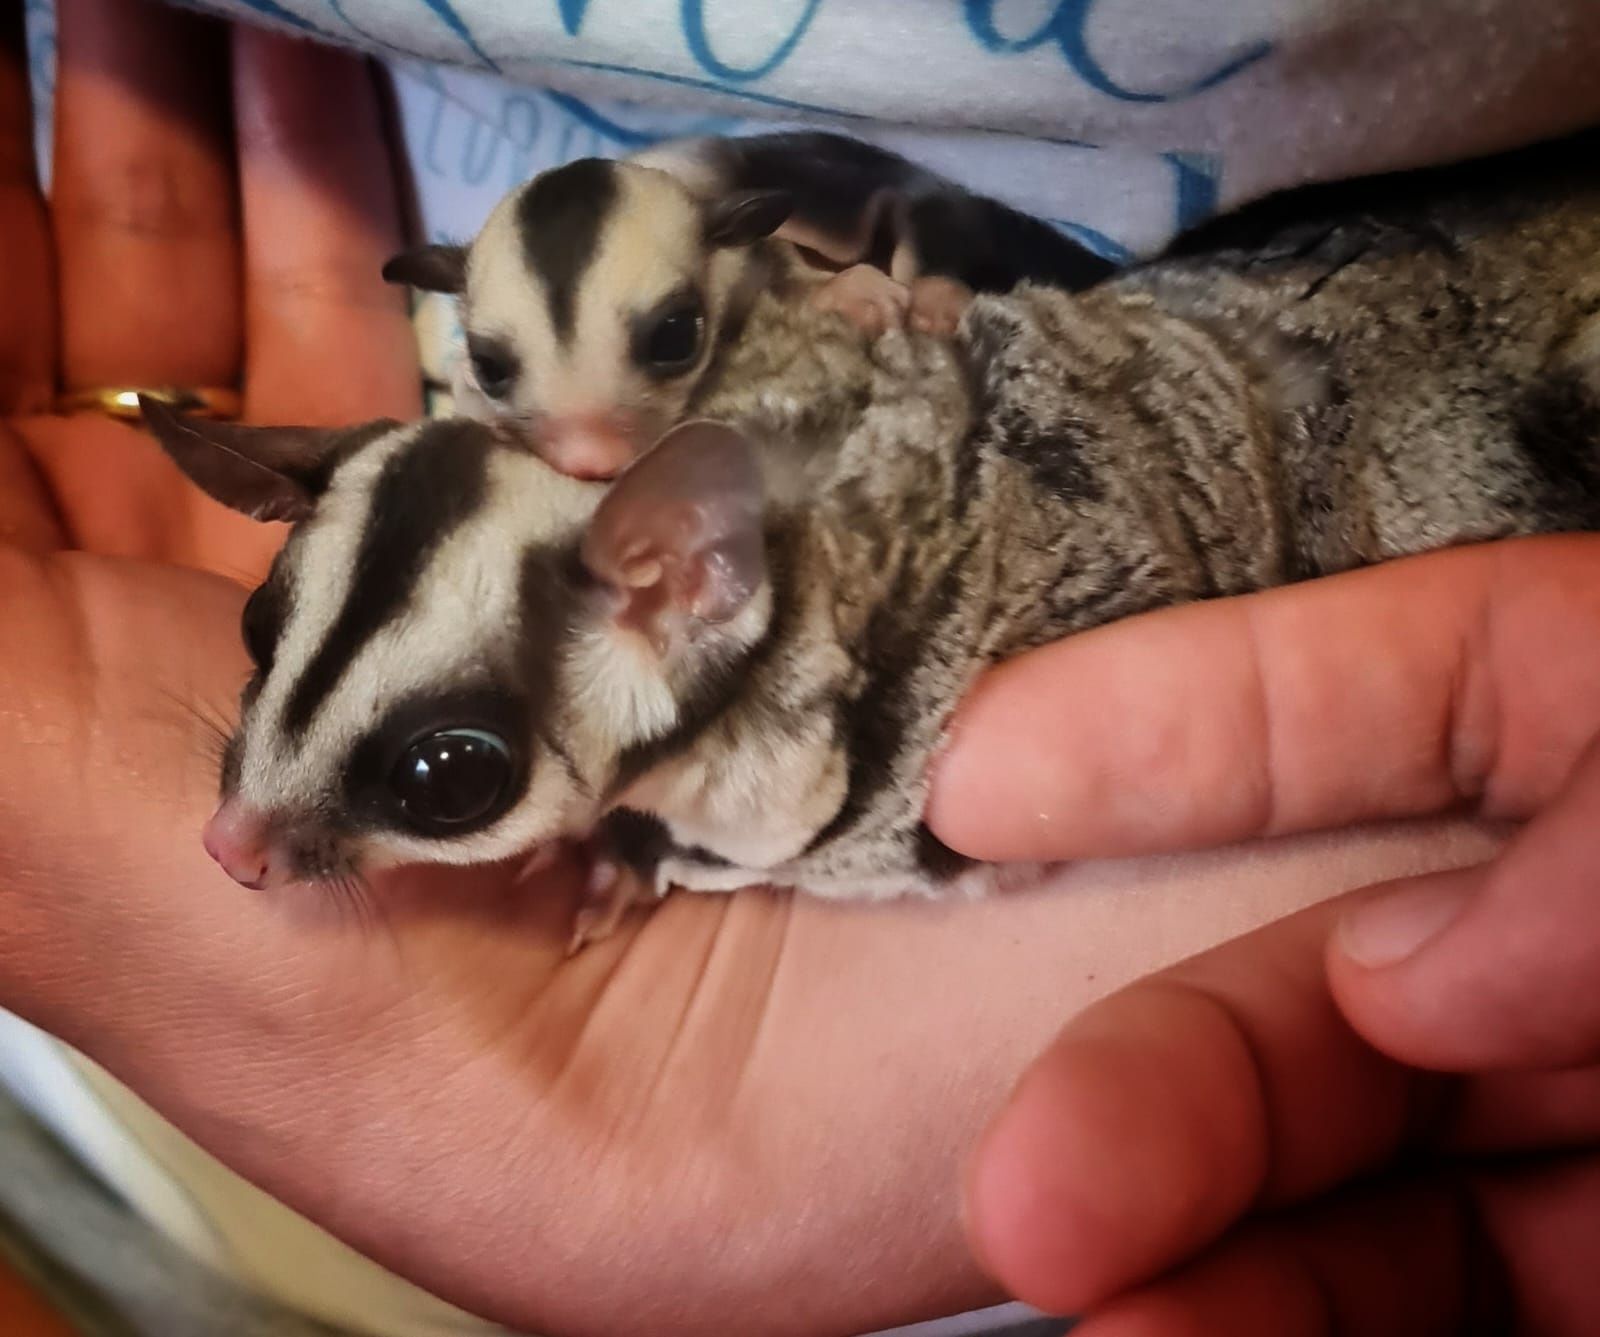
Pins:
x,y
1473,724
1269,800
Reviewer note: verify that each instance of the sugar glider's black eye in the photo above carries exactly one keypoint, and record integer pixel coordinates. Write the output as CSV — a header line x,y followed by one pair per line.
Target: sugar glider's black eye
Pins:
x,y
494,366
670,341
453,781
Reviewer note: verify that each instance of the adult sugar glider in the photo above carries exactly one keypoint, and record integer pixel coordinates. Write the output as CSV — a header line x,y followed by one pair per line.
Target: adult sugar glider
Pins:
x,y
735,662
597,296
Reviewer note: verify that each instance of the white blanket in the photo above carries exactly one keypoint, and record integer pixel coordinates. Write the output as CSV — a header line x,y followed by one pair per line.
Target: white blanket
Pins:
x,y
1121,121
1206,102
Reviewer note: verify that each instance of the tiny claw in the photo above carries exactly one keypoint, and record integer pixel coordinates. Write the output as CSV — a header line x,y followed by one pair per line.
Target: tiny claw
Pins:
x,y
608,894
542,858
866,297
937,305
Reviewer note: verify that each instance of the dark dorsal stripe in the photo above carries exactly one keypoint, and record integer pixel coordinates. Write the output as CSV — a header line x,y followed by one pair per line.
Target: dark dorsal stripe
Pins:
x,y
560,216
424,493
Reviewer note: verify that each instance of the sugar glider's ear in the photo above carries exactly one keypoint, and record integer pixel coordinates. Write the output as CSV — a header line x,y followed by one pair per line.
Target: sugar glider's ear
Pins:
x,y
440,268
744,216
679,539
267,473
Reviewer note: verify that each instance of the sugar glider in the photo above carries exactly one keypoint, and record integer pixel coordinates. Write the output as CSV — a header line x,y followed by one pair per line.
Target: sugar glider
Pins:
x,y
734,662
597,295
856,203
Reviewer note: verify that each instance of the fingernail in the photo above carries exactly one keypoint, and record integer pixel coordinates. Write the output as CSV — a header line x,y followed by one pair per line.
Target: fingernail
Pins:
x,y
1386,931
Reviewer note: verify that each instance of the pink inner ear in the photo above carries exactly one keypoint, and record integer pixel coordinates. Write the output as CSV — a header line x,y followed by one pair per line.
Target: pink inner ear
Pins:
x,y
679,535
727,576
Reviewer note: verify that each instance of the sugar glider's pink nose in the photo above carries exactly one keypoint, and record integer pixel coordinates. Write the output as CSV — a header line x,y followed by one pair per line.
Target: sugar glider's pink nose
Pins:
x,y
237,838
590,445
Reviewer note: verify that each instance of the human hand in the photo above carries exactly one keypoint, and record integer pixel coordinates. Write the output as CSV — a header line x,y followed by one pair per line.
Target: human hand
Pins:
x,y
1265,1138
743,1105
145,270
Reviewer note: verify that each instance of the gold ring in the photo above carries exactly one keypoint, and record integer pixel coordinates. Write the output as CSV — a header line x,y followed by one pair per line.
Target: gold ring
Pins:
x,y
122,402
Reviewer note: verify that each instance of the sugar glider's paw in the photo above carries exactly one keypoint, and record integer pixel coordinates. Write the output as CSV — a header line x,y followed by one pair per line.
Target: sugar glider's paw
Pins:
x,y
540,860
866,297
937,305
610,890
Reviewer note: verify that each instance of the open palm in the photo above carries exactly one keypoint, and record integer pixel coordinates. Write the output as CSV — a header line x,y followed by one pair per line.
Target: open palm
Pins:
x,y
742,1105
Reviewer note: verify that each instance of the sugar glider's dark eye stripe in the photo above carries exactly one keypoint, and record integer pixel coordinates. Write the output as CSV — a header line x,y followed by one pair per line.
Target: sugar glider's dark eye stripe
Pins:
x,y
266,611
261,623
560,216
424,493
549,588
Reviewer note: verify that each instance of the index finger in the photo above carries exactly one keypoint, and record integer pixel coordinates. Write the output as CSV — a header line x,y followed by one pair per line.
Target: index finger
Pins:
x,y
1463,677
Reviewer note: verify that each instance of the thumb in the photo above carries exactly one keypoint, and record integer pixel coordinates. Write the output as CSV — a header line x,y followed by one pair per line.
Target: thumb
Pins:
x,y
1459,677
1491,967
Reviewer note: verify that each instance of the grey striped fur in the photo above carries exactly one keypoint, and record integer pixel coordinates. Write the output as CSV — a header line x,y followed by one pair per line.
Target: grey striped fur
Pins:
x,y
1349,379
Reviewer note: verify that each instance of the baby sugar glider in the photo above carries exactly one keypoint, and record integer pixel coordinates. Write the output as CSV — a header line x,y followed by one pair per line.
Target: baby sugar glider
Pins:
x,y
598,295
462,654
855,203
